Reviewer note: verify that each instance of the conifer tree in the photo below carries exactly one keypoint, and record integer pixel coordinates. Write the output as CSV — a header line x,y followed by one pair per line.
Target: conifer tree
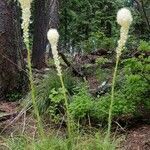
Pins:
x,y
12,68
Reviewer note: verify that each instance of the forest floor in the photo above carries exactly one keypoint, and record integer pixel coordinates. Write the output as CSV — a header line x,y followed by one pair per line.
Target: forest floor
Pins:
x,y
137,137
12,122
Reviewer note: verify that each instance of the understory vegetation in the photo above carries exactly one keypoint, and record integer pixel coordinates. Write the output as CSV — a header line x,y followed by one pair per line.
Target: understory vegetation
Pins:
x,y
131,92
98,79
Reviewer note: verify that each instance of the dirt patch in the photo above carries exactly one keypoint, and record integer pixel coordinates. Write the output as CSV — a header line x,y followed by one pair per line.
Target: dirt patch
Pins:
x,y
8,107
138,138
7,111
14,122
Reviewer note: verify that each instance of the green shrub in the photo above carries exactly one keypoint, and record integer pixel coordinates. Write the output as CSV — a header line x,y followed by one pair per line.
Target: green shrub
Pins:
x,y
137,86
122,107
81,104
131,94
144,46
101,60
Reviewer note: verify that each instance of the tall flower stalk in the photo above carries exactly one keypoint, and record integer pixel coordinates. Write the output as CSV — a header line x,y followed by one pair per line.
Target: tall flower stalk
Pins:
x,y
53,37
26,4
124,19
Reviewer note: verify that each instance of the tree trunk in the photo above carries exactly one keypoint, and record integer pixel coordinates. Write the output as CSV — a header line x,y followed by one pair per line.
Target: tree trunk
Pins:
x,y
12,75
45,16
41,21
54,14
53,19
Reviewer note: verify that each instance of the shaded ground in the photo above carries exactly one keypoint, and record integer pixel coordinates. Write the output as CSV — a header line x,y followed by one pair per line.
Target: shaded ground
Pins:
x,y
138,138
7,110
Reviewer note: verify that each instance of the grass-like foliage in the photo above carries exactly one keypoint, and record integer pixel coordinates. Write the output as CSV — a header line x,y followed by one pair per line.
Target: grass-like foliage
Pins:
x,y
44,91
81,142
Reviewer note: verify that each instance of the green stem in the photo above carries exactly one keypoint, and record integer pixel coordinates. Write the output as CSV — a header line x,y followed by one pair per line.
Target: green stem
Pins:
x,y
112,98
67,107
39,124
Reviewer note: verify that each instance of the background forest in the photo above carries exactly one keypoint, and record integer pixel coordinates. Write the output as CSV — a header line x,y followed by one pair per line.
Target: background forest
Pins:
x,y
42,109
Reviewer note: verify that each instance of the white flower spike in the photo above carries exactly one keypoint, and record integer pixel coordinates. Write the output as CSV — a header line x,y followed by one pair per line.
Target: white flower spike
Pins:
x,y
26,13
124,17
53,37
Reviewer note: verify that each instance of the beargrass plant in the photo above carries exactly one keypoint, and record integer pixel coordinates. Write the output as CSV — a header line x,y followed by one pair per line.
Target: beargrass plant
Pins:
x,y
25,26
124,19
53,37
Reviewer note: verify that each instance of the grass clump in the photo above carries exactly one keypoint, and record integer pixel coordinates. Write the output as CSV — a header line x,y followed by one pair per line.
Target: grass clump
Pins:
x,y
82,141
45,88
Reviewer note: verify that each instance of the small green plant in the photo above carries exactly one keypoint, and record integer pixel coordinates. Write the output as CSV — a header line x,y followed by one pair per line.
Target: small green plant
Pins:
x,y
121,107
56,107
144,46
101,60
17,143
82,103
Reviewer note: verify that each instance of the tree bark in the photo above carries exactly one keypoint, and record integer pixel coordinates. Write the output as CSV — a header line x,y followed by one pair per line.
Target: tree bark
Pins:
x,y
41,22
54,14
53,18
45,16
145,15
12,74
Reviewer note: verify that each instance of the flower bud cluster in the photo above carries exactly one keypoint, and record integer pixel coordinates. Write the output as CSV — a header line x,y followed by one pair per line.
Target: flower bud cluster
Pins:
x,y
53,37
26,13
124,19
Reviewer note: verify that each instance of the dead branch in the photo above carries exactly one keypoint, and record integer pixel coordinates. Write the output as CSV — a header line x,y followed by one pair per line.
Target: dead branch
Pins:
x,y
75,71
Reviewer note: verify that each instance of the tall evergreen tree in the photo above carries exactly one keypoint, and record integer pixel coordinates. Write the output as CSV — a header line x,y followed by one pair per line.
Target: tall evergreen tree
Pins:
x,y
12,74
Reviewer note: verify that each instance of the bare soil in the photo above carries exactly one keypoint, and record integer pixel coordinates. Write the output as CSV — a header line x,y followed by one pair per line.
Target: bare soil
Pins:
x,y
138,138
